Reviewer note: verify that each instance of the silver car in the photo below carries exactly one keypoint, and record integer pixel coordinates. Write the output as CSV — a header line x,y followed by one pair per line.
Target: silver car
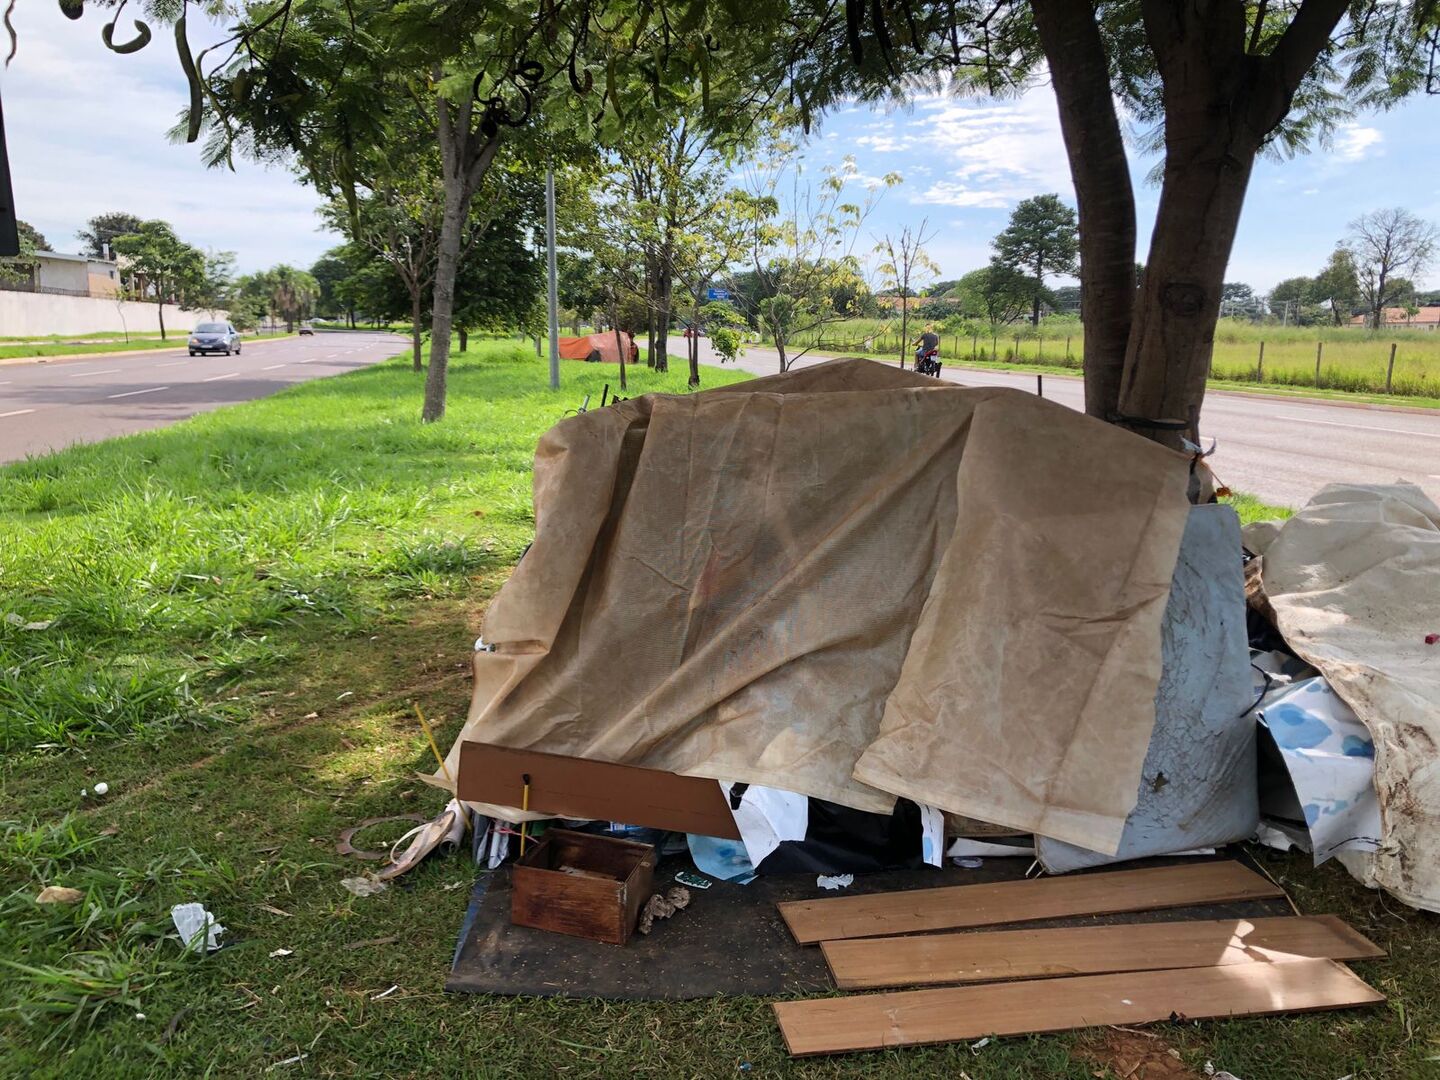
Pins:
x,y
218,337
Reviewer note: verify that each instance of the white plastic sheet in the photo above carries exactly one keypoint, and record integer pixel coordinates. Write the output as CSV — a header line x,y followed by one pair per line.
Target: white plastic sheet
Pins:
x,y
1330,757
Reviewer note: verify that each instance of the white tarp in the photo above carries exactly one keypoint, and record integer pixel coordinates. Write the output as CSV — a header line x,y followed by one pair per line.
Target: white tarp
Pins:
x,y
1354,581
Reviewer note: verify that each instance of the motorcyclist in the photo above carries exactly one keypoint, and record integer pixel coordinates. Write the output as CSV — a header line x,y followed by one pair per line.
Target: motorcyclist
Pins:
x,y
927,352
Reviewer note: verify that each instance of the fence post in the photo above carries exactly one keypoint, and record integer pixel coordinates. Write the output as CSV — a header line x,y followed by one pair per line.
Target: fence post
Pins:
x,y
974,346
1390,371
1040,349
1017,348
1067,348
1319,348
994,347
1260,364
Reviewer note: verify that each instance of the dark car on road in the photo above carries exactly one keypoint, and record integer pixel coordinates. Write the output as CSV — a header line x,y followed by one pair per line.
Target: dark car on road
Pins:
x,y
211,337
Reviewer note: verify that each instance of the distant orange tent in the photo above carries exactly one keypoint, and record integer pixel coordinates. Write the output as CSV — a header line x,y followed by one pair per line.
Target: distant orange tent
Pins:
x,y
597,347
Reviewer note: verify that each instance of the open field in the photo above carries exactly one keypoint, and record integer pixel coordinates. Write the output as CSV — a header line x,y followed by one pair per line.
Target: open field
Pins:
x,y
245,606
1354,361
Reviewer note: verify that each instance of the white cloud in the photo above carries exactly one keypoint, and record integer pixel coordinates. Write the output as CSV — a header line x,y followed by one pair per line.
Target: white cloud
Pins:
x,y
1353,142
87,133
1311,191
886,144
991,154
947,193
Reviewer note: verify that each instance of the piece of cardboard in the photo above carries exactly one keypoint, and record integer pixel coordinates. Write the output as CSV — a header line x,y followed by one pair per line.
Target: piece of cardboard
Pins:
x,y
578,788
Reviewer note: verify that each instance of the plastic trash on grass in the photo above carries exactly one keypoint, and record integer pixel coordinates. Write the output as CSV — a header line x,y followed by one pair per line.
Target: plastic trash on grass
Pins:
x,y
196,924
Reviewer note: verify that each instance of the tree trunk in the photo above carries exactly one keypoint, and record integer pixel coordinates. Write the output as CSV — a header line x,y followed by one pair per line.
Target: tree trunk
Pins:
x,y
1080,71
464,338
160,314
904,326
462,172
1174,326
447,262
619,341
661,358
780,348
694,382
1035,300
417,359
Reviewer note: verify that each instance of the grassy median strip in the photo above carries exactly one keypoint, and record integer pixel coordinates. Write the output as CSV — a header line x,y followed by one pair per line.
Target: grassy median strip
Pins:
x,y
227,622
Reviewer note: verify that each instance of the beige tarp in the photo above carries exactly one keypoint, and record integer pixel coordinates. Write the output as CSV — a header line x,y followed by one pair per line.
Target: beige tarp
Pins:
x,y
1354,580
960,590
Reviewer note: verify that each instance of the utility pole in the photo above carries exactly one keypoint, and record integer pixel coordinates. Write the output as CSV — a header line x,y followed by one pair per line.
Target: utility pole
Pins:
x,y
553,289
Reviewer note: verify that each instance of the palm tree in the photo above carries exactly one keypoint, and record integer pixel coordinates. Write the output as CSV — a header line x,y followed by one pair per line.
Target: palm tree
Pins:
x,y
292,294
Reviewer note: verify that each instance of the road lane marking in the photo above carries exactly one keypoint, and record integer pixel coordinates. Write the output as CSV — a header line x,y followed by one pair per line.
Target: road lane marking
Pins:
x,y
1361,427
107,371
132,393
217,378
17,412
272,367
173,363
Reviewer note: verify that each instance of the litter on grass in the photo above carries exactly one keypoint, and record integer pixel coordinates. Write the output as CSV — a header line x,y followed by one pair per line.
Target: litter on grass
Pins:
x,y
196,925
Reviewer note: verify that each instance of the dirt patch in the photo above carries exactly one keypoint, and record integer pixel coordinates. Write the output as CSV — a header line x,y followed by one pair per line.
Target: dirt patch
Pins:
x,y
1134,1055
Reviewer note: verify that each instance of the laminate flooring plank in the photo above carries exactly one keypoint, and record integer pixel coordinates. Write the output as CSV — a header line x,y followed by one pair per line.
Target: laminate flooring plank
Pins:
x,y
958,907
916,1017
999,955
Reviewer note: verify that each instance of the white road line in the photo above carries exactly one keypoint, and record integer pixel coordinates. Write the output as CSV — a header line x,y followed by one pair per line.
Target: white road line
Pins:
x,y
272,367
132,393
1361,427
173,363
217,378
17,412
106,371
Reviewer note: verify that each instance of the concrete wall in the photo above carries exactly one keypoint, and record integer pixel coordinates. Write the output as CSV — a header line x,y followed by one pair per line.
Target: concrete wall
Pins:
x,y
41,314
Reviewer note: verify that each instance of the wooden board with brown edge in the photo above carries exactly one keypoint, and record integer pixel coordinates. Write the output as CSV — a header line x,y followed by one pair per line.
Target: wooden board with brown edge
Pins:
x,y
579,788
959,907
1002,955
953,1013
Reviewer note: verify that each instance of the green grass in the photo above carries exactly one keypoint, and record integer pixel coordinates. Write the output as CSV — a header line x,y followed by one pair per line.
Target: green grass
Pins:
x,y
311,565
1352,361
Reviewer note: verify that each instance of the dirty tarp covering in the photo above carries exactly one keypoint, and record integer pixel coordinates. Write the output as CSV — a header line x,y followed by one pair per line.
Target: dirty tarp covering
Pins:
x,y
850,582
1354,580
588,345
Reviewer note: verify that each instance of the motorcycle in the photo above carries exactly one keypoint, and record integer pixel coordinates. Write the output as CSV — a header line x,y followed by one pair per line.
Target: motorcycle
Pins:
x,y
928,363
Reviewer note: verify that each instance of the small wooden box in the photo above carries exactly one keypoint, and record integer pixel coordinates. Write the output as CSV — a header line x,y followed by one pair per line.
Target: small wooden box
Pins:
x,y
585,885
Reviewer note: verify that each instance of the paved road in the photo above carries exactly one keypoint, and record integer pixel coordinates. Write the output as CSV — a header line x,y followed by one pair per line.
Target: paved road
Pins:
x,y
47,406
1278,449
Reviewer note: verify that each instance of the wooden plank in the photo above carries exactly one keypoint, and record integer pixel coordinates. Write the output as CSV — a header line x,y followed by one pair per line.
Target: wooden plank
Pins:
x,y
578,788
997,955
915,1017
958,907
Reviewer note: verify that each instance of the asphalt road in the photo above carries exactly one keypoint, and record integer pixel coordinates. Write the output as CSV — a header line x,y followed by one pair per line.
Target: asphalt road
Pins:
x,y
51,405
1279,449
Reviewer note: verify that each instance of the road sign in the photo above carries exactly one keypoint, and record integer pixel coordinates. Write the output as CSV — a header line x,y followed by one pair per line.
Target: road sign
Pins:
x,y
713,293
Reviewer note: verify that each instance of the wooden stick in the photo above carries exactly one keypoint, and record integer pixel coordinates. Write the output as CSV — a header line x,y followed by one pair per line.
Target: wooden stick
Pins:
x,y
425,725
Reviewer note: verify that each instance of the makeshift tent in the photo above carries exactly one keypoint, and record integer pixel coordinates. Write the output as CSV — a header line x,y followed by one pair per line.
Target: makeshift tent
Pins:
x,y
850,582
1353,580
598,347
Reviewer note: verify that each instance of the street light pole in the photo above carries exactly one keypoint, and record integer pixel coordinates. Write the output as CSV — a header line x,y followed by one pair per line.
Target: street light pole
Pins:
x,y
553,289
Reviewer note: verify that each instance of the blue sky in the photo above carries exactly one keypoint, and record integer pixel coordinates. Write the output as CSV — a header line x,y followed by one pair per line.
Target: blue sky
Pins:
x,y
87,134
